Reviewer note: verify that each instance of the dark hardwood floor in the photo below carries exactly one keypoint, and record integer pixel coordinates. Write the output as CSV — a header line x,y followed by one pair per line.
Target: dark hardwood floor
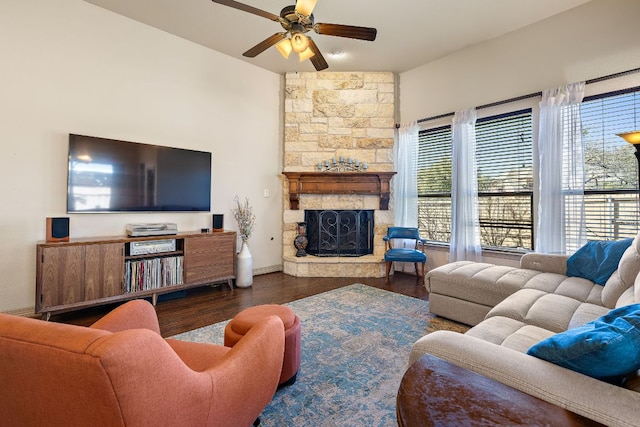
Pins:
x,y
207,305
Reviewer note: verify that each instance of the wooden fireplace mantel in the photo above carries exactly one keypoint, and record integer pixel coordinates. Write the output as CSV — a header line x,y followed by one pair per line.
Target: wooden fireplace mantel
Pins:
x,y
376,183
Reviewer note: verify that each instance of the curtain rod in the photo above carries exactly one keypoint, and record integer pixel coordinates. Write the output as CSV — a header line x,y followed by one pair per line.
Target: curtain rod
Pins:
x,y
531,95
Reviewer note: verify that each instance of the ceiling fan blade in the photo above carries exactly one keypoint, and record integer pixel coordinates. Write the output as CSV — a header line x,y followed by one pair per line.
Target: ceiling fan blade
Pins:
x,y
349,31
247,8
264,45
317,59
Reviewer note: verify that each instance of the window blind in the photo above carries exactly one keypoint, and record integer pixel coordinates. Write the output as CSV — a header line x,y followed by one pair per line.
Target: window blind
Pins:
x,y
505,180
434,184
611,169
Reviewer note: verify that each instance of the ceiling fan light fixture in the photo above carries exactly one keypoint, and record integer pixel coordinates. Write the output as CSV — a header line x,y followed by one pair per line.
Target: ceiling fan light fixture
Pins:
x,y
305,7
306,54
285,48
299,42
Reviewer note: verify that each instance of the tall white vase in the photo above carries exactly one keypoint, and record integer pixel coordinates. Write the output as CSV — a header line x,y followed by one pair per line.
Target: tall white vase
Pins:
x,y
244,274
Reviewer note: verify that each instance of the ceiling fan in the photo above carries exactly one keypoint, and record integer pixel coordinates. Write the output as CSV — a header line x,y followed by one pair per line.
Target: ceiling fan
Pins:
x,y
297,20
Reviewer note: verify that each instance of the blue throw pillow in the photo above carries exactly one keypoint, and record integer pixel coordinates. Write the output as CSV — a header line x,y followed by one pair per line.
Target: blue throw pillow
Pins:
x,y
606,348
597,260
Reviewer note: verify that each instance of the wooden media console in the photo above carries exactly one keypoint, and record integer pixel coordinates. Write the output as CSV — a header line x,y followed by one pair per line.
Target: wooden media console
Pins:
x,y
84,273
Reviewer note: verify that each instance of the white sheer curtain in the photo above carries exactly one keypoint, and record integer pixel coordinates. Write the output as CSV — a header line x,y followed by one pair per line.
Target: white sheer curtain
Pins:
x,y
405,183
561,154
465,223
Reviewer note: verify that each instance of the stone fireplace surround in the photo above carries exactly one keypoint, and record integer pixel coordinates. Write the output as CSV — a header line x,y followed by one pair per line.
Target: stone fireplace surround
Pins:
x,y
336,191
329,115
313,266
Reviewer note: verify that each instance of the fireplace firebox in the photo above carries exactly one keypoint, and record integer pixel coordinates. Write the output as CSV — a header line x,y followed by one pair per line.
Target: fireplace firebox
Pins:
x,y
346,233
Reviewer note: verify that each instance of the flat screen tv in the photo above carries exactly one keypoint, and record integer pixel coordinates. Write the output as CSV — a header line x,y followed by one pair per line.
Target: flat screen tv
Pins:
x,y
107,175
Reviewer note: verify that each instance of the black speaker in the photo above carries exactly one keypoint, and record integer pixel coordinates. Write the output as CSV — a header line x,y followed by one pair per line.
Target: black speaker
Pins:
x,y
218,222
58,229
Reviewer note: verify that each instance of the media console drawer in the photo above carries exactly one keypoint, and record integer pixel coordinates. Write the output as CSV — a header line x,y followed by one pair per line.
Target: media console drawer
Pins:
x,y
208,258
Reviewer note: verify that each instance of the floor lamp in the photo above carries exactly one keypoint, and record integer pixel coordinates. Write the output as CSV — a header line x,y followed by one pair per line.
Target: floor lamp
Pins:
x,y
633,138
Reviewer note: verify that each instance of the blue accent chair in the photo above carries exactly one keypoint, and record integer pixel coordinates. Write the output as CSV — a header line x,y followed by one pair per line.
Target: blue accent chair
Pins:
x,y
399,254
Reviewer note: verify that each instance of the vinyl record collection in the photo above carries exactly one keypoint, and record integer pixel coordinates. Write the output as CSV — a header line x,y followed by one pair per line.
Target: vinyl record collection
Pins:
x,y
153,273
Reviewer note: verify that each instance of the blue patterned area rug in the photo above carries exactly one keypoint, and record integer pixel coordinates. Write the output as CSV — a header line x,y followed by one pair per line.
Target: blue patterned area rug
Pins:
x,y
355,345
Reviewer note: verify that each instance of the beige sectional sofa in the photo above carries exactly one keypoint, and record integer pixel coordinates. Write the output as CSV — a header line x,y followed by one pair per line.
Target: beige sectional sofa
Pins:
x,y
512,309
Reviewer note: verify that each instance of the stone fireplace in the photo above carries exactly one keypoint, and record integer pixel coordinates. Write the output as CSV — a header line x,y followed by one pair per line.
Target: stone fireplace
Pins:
x,y
332,115
370,265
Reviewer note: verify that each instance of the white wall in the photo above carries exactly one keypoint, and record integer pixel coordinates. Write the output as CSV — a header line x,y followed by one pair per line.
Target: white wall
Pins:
x,y
597,39
71,67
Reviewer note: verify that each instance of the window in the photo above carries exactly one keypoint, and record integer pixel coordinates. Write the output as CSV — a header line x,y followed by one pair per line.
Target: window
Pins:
x,y
505,181
611,169
505,172
434,184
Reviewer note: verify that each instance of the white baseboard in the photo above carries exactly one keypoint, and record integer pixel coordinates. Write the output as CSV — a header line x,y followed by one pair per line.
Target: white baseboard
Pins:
x,y
267,270
24,312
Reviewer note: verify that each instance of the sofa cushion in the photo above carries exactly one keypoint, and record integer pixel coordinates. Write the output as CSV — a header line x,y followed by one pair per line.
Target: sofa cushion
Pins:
x,y
597,260
573,287
538,308
551,311
482,283
627,297
509,333
606,348
624,277
586,313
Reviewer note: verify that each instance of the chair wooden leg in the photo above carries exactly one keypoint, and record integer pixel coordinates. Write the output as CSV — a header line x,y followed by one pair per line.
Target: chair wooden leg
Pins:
x,y
417,273
388,269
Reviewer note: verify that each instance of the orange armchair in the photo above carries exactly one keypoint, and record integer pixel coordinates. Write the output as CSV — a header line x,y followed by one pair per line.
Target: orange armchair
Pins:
x,y
121,372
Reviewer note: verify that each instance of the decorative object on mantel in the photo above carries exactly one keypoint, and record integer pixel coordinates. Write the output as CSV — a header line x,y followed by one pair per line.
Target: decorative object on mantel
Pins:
x,y
373,183
342,165
301,241
246,221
